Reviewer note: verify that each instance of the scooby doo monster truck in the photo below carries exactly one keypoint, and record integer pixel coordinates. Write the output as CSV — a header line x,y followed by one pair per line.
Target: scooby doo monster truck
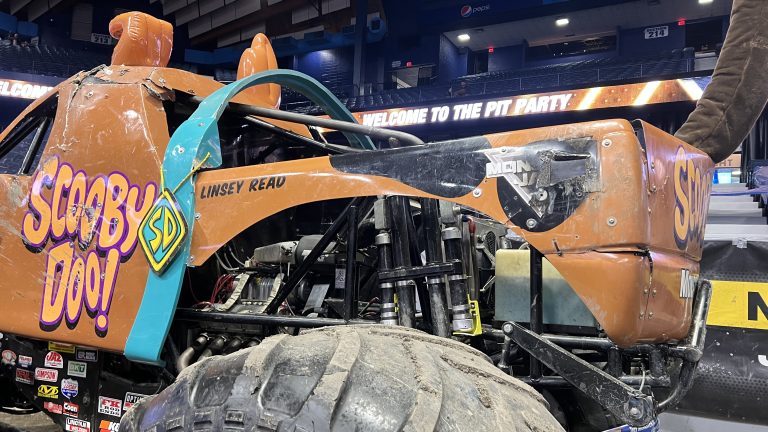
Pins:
x,y
180,254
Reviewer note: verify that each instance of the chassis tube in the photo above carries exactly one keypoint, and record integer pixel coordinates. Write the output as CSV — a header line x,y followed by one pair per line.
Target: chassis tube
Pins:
x,y
537,308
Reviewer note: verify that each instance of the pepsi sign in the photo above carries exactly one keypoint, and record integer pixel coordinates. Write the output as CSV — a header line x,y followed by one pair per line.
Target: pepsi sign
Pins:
x,y
467,10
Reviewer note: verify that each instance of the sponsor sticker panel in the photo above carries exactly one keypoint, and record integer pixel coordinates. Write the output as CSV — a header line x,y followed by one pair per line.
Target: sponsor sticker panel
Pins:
x,y
52,407
77,369
110,406
109,426
69,388
48,391
24,376
77,425
71,409
25,361
131,399
54,360
47,375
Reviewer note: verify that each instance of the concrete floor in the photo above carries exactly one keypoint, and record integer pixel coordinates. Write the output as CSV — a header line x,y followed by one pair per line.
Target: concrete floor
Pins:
x,y
669,423
27,423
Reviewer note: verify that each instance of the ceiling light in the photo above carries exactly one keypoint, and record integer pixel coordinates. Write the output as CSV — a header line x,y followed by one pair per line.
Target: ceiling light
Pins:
x,y
705,1
561,22
463,37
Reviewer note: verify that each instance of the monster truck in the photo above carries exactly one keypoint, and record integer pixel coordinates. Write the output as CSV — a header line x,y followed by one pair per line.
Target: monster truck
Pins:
x,y
180,254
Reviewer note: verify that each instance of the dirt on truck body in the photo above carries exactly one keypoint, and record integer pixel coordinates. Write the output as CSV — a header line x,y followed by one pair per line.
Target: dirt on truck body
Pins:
x,y
170,241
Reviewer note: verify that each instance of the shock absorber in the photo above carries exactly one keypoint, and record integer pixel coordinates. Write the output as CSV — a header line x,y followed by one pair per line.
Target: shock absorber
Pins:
x,y
434,254
401,258
388,312
462,316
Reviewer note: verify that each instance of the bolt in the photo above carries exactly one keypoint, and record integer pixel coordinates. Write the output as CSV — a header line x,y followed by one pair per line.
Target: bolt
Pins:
x,y
530,223
201,124
197,216
611,221
191,259
506,327
653,165
650,314
541,194
477,192
180,150
504,149
607,143
635,413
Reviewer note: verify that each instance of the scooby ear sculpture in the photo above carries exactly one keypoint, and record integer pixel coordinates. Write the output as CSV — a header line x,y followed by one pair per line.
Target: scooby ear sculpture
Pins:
x,y
258,58
143,40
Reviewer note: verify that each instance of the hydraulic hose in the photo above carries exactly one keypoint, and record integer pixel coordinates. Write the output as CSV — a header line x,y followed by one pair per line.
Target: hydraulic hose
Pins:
x,y
735,98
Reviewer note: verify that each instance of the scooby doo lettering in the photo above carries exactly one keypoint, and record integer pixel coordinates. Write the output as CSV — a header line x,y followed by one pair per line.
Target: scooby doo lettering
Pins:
x,y
692,185
235,187
92,225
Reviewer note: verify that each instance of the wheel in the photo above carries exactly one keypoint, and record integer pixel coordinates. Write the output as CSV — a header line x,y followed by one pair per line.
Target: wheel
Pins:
x,y
354,378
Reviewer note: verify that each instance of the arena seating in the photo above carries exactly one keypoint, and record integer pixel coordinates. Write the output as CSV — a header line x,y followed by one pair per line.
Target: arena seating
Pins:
x,y
56,61
64,62
578,73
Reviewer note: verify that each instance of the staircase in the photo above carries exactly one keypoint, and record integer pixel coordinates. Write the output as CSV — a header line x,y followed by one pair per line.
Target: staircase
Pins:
x,y
734,218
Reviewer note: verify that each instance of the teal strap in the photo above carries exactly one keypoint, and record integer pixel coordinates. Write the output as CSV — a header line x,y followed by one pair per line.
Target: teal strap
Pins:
x,y
195,144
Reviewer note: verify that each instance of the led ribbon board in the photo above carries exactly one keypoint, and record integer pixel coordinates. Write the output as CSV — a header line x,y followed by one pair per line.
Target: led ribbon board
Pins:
x,y
637,94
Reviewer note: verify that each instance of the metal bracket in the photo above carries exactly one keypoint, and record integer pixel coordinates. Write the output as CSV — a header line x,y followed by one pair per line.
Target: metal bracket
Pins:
x,y
427,270
629,405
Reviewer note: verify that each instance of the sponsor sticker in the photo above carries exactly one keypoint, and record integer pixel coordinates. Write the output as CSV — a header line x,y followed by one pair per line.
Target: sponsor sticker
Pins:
x,y
47,375
131,399
24,376
54,360
110,406
25,361
77,369
69,388
71,409
48,391
109,426
77,425
8,357
87,355
61,347
52,407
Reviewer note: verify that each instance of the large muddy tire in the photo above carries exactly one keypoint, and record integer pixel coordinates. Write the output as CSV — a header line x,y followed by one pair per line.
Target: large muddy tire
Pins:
x,y
356,378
